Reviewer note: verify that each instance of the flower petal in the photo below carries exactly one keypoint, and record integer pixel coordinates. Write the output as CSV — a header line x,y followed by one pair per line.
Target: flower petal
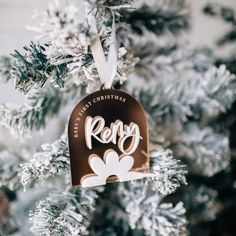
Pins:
x,y
111,159
97,164
126,163
93,181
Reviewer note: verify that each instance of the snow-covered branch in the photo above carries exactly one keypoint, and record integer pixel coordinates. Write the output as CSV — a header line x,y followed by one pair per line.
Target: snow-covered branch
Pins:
x,y
51,160
167,174
207,151
148,213
64,214
198,96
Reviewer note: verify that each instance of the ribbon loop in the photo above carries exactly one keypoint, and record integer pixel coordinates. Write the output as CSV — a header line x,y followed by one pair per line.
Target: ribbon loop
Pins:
x,y
106,68
99,58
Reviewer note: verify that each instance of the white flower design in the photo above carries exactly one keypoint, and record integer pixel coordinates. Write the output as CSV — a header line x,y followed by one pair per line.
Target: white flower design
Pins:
x,y
111,165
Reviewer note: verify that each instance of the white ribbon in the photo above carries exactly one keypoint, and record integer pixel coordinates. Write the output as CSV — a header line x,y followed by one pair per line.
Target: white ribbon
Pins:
x,y
106,68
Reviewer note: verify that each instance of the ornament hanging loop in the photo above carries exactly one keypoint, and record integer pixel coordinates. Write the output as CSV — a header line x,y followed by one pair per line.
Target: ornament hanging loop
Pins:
x,y
103,87
106,67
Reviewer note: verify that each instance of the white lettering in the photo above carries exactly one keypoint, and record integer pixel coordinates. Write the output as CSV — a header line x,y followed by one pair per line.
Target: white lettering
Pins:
x,y
118,133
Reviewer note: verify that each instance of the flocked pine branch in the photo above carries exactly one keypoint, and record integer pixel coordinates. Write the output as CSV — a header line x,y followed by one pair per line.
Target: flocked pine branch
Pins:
x,y
158,18
9,169
62,26
200,203
71,37
110,4
32,69
170,16
142,199
37,65
33,114
39,106
114,220
5,66
146,212
51,160
26,201
229,37
220,89
228,15
64,213
167,174
103,10
200,96
70,52
162,55
208,152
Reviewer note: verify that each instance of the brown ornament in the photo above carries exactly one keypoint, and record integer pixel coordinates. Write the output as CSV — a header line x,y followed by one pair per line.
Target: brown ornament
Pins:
x,y
108,139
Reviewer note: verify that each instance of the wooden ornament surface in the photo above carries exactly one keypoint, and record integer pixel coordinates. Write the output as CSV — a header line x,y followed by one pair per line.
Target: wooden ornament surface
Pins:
x,y
112,105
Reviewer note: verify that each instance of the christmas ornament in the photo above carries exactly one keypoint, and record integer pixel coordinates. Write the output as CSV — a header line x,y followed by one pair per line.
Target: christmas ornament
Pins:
x,y
108,133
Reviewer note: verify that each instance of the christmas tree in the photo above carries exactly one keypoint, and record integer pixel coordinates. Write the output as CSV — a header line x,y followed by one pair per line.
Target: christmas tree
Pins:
x,y
187,94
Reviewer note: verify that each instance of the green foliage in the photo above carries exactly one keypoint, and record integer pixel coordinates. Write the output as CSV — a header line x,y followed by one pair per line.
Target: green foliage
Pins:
x,y
33,115
9,169
226,13
32,69
156,19
5,66
39,106
11,195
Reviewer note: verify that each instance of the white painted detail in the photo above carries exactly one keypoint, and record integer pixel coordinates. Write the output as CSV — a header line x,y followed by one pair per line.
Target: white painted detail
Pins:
x,y
111,165
117,133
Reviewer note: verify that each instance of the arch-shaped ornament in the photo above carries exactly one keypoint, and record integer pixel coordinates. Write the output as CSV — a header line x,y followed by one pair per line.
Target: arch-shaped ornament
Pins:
x,y
108,139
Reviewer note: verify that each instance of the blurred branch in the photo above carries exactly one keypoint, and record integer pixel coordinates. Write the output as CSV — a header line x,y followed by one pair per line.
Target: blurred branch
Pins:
x,y
157,19
5,66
